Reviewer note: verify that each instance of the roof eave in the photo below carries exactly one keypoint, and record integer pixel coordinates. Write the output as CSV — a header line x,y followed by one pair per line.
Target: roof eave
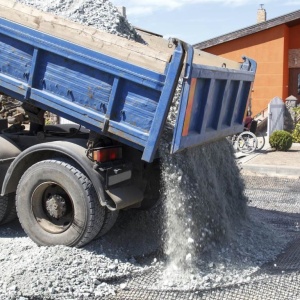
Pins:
x,y
289,19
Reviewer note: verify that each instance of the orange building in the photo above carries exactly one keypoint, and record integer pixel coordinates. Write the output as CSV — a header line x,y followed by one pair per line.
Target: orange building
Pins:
x,y
275,45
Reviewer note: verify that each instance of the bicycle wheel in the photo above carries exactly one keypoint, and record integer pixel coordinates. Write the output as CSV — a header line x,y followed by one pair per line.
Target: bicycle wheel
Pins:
x,y
260,140
247,142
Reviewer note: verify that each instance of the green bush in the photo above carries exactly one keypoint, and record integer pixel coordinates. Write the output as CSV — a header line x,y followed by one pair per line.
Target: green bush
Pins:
x,y
281,140
296,134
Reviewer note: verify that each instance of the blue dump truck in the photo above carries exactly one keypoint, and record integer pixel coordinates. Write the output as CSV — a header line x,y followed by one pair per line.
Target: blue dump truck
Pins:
x,y
67,182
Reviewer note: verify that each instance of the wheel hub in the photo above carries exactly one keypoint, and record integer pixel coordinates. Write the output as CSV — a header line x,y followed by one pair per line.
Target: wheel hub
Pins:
x,y
56,206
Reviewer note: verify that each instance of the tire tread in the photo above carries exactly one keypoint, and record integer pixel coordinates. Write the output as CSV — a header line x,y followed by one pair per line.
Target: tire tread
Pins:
x,y
96,212
109,221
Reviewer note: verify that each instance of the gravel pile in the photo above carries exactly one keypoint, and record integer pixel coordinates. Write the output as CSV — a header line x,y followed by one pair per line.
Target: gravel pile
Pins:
x,y
59,272
97,13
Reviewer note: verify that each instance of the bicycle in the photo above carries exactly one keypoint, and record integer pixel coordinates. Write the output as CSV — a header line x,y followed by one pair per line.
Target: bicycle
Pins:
x,y
249,141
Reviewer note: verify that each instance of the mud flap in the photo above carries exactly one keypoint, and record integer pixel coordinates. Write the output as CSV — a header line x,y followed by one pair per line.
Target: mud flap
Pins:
x,y
125,196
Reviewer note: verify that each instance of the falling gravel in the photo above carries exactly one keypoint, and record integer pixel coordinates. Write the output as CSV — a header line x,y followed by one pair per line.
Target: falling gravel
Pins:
x,y
208,228
211,239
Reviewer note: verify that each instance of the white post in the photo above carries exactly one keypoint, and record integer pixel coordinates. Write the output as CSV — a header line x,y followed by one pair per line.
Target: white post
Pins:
x,y
275,115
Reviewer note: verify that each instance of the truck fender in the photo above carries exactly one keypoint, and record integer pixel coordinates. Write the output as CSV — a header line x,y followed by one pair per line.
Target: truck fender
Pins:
x,y
71,149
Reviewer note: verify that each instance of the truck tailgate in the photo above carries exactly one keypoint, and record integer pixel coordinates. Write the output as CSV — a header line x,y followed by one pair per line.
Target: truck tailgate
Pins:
x,y
212,104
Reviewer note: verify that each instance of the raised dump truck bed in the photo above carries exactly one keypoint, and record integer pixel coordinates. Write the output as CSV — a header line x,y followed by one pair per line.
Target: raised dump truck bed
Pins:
x,y
118,88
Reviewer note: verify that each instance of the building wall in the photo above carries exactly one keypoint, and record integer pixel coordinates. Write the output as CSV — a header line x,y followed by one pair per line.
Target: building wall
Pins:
x,y
294,41
294,47
285,82
294,61
270,48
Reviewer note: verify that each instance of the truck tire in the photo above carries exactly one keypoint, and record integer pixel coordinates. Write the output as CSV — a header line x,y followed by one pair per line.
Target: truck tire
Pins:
x,y
109,221
57,205
8,211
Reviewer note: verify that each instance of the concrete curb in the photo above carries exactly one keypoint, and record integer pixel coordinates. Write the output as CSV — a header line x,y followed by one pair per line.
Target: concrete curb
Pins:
x,y
268,162
275,170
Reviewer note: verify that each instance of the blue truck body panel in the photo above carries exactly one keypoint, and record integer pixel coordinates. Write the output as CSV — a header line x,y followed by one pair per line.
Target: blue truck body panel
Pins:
x,y
126,102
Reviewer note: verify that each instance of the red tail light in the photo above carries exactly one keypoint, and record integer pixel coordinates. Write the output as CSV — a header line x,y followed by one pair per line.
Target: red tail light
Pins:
x,y
107,154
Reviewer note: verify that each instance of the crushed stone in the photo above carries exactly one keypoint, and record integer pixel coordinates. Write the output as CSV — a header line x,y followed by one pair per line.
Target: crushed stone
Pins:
x,y
57,272
101,14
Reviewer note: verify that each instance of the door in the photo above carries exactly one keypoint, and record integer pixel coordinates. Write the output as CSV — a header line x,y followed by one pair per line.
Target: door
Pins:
x,y
294,83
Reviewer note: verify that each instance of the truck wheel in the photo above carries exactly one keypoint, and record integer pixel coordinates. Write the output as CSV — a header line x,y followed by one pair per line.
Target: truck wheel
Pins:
x,y
8,211
57,205
109,221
